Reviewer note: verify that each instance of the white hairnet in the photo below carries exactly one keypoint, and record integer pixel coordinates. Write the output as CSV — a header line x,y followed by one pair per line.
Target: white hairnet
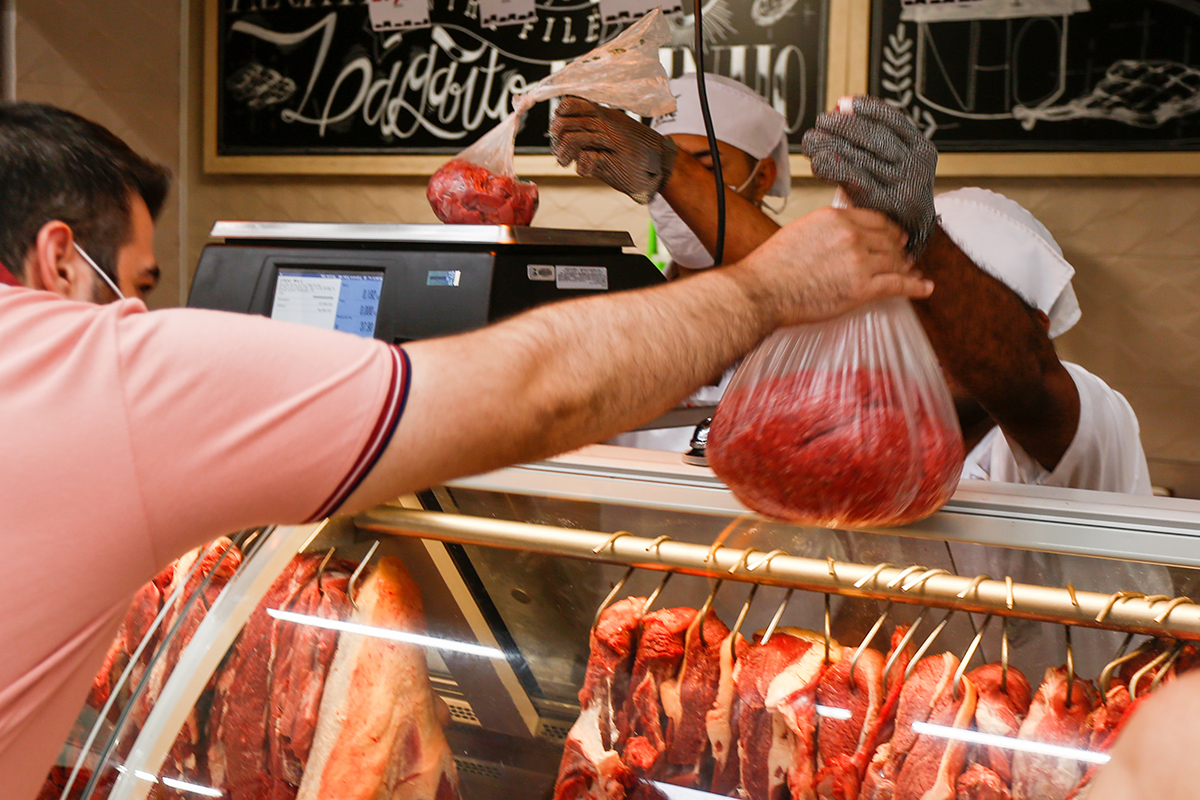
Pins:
x,y
1008,243
740,118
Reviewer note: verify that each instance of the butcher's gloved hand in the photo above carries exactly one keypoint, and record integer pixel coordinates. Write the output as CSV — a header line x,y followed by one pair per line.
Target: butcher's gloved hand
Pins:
x,y
881,160
608,144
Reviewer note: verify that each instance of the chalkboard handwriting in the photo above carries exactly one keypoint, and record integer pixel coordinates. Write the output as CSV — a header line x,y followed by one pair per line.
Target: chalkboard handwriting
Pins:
x,y
448,89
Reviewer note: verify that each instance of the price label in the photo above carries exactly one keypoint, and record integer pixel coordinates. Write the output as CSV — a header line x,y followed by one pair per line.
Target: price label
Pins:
x,y
398,15
493,13
615,11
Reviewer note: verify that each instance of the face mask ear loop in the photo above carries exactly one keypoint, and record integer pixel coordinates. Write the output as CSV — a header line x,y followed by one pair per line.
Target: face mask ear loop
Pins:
x,y
775,211
749,178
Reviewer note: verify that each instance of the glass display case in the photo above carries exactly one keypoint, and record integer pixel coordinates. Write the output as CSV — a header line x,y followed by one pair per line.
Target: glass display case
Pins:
x,y
277,653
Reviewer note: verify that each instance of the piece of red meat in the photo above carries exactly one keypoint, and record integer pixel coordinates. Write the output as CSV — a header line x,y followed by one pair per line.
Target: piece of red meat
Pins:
x,y
463,193
642,725
847,449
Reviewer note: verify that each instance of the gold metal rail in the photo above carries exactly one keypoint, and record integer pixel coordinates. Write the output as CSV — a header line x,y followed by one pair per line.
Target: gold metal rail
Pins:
x,y
1124,610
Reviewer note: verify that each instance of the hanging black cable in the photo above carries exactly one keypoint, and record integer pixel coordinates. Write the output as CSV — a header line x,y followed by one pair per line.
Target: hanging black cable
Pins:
x,y
718,176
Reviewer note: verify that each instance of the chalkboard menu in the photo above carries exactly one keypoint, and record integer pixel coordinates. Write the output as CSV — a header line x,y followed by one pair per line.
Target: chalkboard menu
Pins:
x,y
1042,75
311,77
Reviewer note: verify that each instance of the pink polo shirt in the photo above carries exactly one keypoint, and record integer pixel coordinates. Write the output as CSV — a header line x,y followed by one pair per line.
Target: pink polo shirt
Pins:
x,y
129,438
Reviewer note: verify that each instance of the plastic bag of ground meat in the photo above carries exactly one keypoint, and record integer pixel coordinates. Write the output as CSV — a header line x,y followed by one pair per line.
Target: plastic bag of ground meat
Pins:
x,y
480,185
845,423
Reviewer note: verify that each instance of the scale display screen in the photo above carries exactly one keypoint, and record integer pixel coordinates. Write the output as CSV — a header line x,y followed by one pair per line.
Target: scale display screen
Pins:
x,y
335,300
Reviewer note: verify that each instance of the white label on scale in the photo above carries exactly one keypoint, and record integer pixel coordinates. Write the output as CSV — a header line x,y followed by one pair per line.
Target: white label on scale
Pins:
x,y
398,15
593,278
541,272
615,11
506,12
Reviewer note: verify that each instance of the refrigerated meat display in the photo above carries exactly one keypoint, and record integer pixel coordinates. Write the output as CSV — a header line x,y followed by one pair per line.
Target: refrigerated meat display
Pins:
x,y
613,624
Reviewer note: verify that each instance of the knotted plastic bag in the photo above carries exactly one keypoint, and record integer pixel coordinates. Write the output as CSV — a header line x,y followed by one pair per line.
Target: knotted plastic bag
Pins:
x,y
844,423
480,185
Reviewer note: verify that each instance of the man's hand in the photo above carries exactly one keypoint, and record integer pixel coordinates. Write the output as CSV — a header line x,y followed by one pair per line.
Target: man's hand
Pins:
x,y
830,262
607,144
881,160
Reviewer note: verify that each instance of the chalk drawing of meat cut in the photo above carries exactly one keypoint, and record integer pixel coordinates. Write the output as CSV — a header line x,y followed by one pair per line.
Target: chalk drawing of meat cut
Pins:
x,y
963,58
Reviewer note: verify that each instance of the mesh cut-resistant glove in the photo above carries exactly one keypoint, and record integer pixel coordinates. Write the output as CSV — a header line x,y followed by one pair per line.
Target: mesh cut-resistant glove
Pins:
x,y
881,160
608,144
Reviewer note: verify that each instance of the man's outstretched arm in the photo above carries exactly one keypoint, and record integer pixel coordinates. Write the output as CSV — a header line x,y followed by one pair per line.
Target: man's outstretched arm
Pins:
x,y
568,374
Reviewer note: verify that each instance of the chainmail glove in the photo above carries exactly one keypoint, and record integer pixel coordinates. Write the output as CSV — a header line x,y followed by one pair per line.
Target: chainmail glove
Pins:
x,y
608,144
881,160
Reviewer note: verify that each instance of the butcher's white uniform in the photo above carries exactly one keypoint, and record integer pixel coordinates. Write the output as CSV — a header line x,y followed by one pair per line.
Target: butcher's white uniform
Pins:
x,y
1106,455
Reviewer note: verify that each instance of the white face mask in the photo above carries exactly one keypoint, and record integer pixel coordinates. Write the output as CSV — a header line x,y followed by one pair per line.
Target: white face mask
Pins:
x,y
683,245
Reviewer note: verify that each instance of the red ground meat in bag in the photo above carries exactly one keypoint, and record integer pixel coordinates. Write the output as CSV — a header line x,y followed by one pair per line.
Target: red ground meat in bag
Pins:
x,y
480,186
463,193
844,423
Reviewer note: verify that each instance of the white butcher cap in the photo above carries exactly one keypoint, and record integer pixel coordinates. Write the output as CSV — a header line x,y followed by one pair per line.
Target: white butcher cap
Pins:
x,y
1008,243
740,117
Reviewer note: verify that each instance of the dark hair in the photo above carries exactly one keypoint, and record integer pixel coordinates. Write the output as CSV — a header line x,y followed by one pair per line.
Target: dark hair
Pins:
x,y
55,165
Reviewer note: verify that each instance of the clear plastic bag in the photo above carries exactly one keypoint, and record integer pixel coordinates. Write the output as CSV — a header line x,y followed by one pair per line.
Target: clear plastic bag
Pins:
x,y
480,184
844,423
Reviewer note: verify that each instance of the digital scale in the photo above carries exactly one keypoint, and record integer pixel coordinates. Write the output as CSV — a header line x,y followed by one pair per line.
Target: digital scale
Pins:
x,y
401,283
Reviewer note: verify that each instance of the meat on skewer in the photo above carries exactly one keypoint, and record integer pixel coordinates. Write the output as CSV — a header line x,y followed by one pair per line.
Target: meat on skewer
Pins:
x,y
924,691
591,768
378,732
839,740
641,727
687,698
764,750
721,721
792,699
1002,705
1053,719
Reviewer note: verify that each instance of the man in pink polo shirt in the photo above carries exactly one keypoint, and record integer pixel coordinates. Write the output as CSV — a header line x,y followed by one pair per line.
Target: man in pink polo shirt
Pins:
x,y
131,437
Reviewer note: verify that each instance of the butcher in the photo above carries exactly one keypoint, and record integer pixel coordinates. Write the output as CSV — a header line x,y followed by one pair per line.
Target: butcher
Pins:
x,y
752,143
132,437
1004,286
1004,293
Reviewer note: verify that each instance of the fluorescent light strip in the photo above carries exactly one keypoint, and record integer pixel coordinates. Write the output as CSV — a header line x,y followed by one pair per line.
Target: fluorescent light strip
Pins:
x,y
673,792
833,713
184,786
1010,743
385,633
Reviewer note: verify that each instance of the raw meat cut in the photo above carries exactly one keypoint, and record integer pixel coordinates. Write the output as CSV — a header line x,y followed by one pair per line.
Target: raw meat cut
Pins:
x,y
591,768
239,720
928,689
764,746
999,712
981,783
464,193
792,699
845,449
873,768
838,775
377,732
934,763
721,721
303,654
1053,719
642,741
687,698
1104,725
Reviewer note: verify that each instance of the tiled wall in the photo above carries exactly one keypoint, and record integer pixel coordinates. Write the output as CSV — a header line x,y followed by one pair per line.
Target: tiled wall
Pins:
x,y
1135,243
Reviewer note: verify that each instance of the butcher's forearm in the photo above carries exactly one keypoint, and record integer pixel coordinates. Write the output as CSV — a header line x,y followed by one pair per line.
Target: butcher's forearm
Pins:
x,y
690,192
990,342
